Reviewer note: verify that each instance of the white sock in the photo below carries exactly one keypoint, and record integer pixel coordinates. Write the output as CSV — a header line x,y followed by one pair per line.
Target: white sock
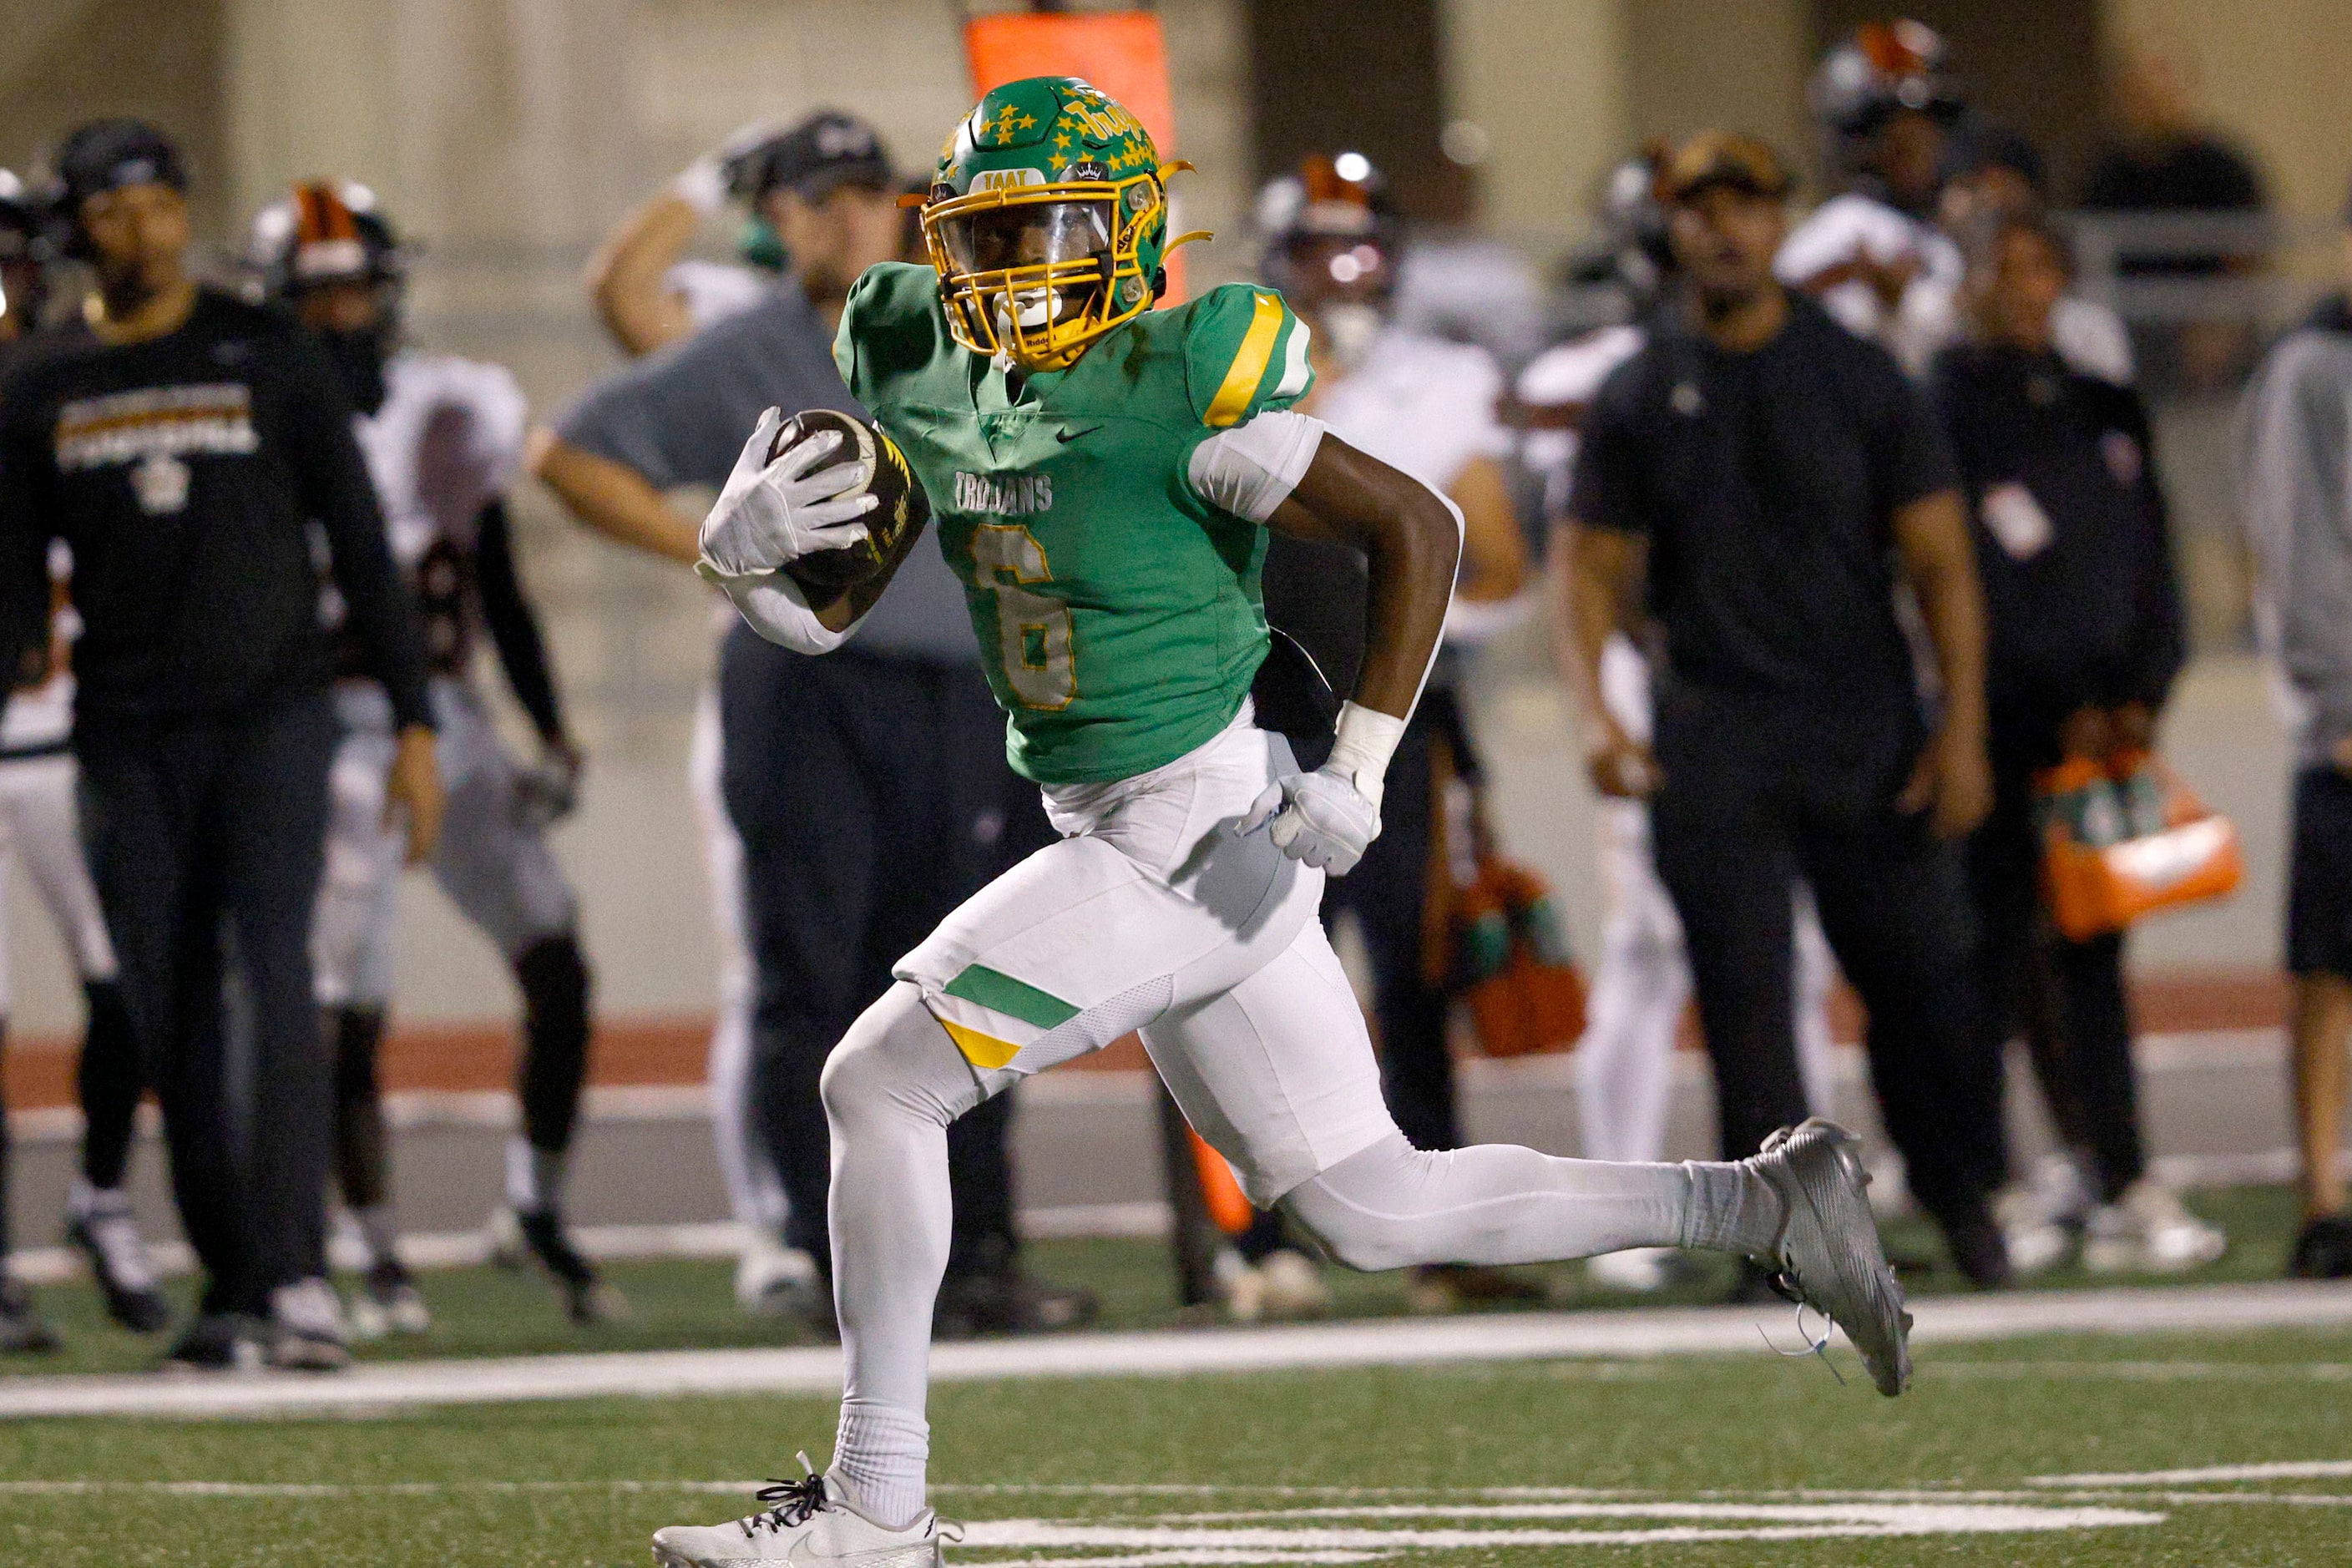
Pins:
x,y
881,1452
893,1085
1732,1209
534,1177
1392,1207
379,1231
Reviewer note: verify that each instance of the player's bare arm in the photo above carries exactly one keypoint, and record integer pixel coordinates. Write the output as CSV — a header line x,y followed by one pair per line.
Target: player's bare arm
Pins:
x,y
1412,545
1412,540
1595,584
611,498
1953,780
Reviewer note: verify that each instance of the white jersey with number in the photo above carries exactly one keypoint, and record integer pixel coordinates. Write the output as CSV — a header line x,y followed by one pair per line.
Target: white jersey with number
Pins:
x,y
1426,407
447,439
445,442
1855,227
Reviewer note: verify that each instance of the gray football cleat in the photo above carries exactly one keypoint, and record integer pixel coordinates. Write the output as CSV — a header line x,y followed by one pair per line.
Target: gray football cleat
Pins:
x,y
1828,1255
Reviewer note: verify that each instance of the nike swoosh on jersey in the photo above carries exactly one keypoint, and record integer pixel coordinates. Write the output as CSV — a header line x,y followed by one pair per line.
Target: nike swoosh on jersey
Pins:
x,y
1066,435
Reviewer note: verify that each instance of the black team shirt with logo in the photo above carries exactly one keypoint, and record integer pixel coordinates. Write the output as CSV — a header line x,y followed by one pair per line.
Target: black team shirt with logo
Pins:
x,y
186,474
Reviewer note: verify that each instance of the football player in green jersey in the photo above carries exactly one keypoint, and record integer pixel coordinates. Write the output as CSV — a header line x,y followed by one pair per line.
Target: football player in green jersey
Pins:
x,y
1103,474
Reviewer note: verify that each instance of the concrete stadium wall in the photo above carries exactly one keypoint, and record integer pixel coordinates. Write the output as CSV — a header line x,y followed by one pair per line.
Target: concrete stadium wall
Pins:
x,y
2270,74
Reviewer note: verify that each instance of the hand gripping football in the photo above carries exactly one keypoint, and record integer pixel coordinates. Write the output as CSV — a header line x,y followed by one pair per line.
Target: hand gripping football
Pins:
x,y
901,506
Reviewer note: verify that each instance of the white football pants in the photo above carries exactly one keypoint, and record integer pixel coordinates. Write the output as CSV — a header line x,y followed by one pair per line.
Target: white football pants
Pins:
x,y
499,873
39,826
1154,914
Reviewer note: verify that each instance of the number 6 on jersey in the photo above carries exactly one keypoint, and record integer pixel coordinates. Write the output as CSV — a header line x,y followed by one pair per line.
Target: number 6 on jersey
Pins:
x,y
1033,632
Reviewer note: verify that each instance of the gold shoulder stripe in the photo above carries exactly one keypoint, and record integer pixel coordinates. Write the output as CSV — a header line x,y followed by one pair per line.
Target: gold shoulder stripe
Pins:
x,y
1249,364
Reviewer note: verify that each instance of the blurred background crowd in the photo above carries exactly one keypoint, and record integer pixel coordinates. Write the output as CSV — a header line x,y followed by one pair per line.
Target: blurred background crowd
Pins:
x,y
2150,192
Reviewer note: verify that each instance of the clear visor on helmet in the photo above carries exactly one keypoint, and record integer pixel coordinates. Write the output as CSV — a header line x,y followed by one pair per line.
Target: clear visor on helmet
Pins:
x,y
1028,233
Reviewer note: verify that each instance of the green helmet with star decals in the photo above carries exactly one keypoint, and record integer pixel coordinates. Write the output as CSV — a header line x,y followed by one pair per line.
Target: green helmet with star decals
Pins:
x,y
1047,221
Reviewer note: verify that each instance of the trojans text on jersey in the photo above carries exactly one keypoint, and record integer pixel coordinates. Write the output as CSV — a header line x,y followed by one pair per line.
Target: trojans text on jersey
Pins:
x,y
1004,495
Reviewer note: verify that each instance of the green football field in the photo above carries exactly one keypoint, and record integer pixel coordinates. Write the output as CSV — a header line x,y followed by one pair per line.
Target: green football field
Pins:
x,y
1714,1460
2206,1448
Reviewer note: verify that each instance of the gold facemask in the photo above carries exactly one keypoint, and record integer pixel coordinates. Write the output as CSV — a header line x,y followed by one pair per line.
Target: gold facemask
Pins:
x,y
1035,273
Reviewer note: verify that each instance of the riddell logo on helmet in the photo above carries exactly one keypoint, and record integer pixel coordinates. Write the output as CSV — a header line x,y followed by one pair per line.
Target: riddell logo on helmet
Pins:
x,y
1004,495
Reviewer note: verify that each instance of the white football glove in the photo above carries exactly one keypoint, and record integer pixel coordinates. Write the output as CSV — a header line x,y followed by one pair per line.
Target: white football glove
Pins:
x,y
1319,818
771,514
706,183
1331,817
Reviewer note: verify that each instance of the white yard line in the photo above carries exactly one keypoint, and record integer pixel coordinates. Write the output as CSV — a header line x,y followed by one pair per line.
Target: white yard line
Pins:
x,y
1657,1331
2148,1371
1301,1535
2289,1470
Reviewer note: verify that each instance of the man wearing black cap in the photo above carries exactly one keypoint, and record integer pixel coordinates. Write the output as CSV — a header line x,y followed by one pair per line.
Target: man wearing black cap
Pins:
x,y
868,788
1762,475
650,293
184,448
40,827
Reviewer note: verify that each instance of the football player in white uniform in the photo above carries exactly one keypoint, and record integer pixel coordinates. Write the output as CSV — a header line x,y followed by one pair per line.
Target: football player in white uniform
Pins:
x,y
1141,451
1642,982
1872,253
443,439
1426,407
39,826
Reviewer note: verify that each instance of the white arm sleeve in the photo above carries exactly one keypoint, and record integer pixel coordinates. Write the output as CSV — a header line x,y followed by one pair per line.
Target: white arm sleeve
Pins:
x,y
1251,469
772,604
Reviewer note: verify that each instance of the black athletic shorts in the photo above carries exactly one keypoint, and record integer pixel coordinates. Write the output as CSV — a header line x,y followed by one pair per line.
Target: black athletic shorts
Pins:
x,y
2319,889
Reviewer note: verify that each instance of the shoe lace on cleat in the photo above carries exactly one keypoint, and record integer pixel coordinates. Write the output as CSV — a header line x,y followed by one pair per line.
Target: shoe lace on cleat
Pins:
x,y
790,1503
1814,1344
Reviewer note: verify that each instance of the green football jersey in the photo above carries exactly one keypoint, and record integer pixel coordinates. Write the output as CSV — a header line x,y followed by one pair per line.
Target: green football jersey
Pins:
x,y
1119,614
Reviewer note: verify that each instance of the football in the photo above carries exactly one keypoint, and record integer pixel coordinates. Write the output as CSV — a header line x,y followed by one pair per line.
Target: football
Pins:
x,y
902,506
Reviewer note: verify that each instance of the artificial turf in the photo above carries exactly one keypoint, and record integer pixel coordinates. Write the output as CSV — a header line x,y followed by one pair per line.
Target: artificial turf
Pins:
x,y
681,1303
1341,1466
1680,1440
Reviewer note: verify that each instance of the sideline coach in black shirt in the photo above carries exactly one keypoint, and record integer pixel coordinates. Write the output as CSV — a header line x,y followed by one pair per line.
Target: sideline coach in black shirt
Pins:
x,y
182,449
1766,475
